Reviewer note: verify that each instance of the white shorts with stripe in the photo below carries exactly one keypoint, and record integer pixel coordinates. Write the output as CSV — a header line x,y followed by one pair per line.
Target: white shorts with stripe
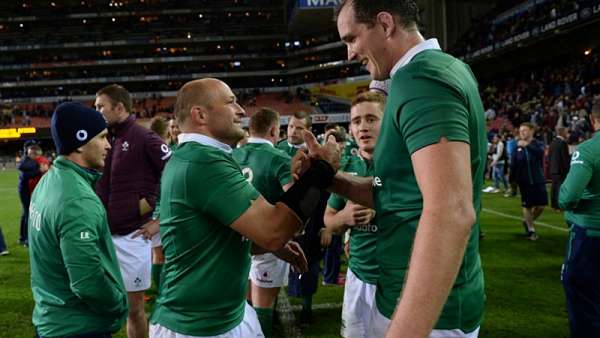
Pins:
x,y
248,328
135,260
378,325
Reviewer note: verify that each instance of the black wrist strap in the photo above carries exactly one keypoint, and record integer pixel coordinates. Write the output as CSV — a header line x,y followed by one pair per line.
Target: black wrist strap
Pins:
x,y
304,195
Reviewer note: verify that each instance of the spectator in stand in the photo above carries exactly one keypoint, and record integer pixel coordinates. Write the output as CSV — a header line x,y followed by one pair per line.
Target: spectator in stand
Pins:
x,y
128,188
28,168
527,171
559,163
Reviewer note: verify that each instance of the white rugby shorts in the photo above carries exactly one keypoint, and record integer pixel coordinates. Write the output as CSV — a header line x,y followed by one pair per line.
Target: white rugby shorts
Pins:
x,y
135,260
248,328
356,309
378,325
268,271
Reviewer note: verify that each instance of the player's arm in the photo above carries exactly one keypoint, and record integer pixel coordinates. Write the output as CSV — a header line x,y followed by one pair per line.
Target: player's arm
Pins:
x,y
577,179
157,153
355,188
79,243
443,173
271,226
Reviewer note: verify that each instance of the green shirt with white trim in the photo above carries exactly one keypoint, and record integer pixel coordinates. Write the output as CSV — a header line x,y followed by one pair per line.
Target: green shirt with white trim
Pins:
x,y
288,148
580,192
363,238
266,167
206,266
434,96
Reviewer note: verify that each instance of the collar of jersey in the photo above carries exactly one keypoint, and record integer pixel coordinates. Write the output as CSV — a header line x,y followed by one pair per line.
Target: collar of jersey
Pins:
x,y
421,47
296,145
204,140
259,140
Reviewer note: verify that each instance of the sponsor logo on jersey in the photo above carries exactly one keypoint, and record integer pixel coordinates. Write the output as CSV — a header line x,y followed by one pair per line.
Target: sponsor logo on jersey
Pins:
x,y
366,228
575,158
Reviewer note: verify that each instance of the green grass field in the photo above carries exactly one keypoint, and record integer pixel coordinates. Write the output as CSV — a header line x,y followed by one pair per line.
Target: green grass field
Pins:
x,y
524,293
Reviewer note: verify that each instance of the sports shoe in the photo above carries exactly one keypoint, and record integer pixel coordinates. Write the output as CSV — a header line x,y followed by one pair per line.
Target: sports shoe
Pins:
x,y
4,253
488,189
532,236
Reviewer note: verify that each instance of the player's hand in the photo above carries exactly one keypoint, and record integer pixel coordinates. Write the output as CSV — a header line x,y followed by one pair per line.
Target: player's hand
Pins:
x,y
326,237
293,254
148,230
357,214
330,151
300,163
522,143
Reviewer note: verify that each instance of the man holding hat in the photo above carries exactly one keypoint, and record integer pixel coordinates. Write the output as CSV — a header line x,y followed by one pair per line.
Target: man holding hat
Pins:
x,y
75,278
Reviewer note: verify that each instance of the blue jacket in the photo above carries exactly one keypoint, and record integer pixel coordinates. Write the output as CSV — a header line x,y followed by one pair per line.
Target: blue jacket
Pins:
x,y
527,164
28,169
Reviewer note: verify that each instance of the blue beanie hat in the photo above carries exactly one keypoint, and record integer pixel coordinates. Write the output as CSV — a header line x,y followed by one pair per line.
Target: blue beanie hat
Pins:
x,y
74,125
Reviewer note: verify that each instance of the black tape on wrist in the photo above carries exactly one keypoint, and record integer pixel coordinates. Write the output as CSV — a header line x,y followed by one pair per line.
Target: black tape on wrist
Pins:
x,y
304,195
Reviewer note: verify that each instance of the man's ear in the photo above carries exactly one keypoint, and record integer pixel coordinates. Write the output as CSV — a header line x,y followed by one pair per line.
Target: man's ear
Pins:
x,y
199,114
274,131
387,22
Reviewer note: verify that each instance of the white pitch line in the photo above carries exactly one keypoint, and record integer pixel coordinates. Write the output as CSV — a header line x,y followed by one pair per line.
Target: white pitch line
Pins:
x,y
286,316
498,213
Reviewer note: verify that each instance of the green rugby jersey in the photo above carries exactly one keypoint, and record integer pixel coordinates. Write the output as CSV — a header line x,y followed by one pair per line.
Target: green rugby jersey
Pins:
x,y
363,239
266,167
206,262
289,149
435,95
580,192
75,277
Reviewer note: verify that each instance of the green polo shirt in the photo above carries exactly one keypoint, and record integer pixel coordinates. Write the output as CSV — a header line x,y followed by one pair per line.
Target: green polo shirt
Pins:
x,y
206,266
434,96
363,238
266,167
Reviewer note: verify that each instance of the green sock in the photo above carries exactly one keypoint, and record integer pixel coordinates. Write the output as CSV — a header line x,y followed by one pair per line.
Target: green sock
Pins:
x,y
265,317
156,275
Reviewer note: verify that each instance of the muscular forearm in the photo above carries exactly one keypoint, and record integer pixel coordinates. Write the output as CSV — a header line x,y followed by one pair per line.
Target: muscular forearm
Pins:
x,y
355,188
433,270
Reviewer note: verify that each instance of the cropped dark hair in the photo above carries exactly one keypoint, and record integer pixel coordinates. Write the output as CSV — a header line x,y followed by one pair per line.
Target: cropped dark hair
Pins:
x,y
117,94
365,11
302,115
262,121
